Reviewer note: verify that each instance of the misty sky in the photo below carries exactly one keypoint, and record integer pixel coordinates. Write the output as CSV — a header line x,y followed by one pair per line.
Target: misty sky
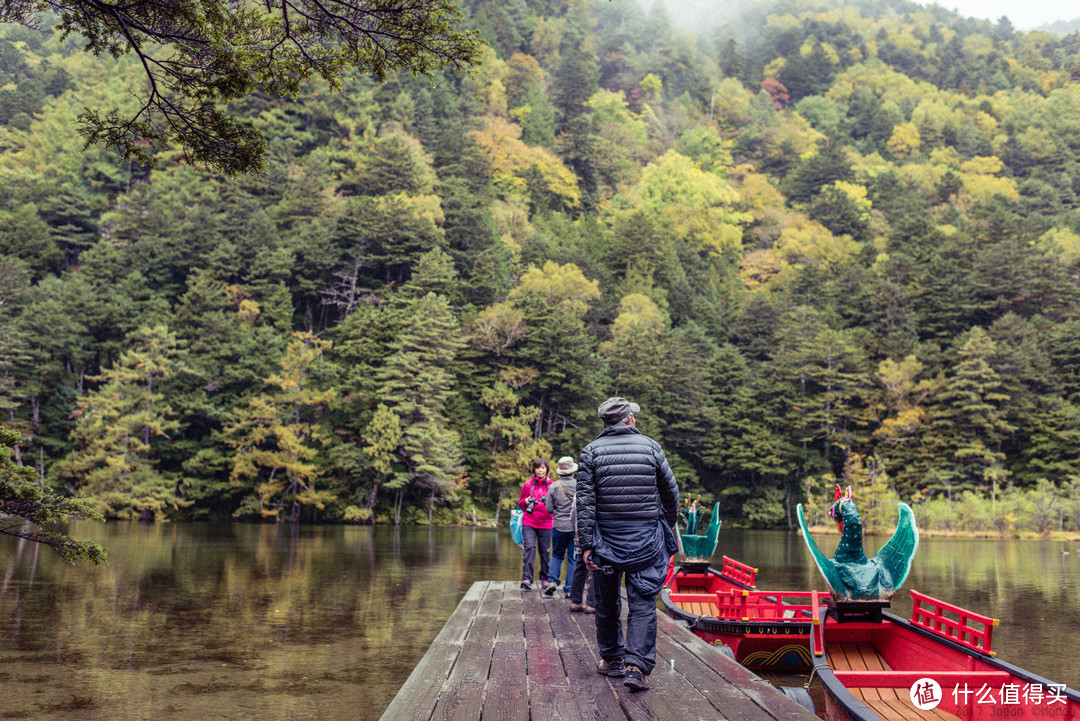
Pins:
x,y
1024,15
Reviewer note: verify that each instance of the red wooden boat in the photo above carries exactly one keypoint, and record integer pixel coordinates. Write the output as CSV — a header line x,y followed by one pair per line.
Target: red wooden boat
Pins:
x,y
764,630
937,665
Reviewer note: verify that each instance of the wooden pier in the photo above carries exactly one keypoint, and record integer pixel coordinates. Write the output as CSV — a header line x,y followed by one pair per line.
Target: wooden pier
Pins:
x,y
512,655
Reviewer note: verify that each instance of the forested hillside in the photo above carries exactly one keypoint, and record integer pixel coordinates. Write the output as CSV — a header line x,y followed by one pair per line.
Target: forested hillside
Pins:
x,y
822,243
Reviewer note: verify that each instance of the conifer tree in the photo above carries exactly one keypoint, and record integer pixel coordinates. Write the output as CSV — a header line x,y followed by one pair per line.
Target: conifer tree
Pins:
x,y
415,384
968,425
115,464
276,437
30,510
383,438
513,446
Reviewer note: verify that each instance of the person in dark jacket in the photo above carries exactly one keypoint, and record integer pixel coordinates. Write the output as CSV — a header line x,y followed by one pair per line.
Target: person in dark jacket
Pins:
x,y
582,577
627,504
560,501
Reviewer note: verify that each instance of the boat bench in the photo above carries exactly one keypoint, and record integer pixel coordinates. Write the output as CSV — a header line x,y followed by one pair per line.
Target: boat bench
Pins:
x,y
905,679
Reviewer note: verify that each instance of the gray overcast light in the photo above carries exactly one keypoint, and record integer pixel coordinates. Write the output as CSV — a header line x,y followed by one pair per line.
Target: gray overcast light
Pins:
x,y
1024,15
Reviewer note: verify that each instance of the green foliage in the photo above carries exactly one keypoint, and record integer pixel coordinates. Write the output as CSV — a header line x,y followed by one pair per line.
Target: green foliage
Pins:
x,y
196,59
31,510
843,247
115,464
276,438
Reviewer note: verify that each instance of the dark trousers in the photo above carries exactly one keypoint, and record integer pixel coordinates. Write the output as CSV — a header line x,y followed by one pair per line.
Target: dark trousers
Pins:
x,y
562,544
577,583
533,540
639,648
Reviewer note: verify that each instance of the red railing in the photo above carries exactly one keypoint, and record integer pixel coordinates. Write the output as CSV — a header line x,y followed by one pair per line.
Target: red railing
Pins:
x,y
739,572
929,613
817,631
764,605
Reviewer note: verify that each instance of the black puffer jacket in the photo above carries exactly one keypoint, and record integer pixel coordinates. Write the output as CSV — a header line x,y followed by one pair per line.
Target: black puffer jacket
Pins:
x,y
623,475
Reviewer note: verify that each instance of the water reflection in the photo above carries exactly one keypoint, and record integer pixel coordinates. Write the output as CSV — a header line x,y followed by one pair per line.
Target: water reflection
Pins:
x,y
244,621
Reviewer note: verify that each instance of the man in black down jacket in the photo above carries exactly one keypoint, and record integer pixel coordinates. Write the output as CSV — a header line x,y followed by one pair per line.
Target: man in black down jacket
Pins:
x,y
627,504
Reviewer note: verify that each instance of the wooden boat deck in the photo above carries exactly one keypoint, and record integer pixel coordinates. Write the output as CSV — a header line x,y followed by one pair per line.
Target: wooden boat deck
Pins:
x,y
701,609
891,704
506,654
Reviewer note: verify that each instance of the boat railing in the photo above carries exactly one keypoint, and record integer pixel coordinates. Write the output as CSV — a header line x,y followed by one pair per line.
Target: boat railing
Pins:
x,y
930,613
744,605
739,572
817,630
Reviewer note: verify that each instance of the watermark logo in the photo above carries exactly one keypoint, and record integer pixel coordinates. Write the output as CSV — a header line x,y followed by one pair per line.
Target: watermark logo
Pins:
x,y
925,694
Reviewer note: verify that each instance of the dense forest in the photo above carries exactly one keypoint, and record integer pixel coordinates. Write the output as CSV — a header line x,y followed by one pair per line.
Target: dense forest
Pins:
x,y
825,242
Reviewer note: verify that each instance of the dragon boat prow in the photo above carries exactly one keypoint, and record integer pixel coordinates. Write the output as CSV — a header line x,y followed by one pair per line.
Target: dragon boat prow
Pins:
x,y
849,575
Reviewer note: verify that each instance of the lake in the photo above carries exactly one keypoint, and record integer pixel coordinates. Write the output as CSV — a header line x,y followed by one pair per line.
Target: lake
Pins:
x,y
235,621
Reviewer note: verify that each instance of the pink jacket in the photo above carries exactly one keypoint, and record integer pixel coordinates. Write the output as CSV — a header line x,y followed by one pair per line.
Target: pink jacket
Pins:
x,y
540,517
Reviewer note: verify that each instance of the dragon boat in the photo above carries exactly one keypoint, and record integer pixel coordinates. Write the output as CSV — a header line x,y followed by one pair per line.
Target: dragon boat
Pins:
x,y
762,630
938,664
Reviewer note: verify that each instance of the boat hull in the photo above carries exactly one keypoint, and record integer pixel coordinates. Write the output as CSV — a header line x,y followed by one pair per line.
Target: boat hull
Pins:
x,y
762,644
871,671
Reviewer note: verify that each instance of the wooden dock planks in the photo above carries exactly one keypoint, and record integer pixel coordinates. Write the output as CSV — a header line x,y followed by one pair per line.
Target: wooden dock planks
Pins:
x,y
509,655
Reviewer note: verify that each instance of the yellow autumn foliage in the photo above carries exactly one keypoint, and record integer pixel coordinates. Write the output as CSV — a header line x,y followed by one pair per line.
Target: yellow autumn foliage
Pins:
x,y
512,161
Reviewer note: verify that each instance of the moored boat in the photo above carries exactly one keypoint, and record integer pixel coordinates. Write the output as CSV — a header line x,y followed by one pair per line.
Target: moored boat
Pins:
x,y
764,629
939,665
760,630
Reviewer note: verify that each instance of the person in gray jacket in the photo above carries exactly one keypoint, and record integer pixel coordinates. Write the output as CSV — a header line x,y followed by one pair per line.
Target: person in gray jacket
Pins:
x,y
560,501
627,504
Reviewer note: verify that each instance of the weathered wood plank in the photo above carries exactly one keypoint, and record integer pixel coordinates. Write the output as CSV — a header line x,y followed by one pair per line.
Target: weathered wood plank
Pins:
x,y
510,618
416,699
462,696
491,603
593,695
544,662
728,699
771,701
556,702
507,694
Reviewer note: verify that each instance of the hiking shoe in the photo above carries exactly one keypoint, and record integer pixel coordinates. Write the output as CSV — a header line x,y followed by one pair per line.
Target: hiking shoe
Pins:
x,y
576,607
526,585
590,609
611,668
635,680
549,589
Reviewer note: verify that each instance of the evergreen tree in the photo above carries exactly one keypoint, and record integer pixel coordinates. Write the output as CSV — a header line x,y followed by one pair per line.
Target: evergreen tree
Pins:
x,y
276,437
967,424
31,510
115,464
415,383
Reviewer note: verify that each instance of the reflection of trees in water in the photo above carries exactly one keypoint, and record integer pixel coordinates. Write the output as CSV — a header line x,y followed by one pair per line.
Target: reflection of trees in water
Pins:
x,y
325,622
282,619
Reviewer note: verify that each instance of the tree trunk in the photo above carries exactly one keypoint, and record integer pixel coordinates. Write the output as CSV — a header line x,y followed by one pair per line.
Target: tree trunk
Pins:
x,y
498,505
294,516
149,390
371,498
397,506
787,503
431,506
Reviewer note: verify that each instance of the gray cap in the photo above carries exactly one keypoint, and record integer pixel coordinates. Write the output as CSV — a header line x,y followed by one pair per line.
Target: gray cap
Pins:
x,y
614,410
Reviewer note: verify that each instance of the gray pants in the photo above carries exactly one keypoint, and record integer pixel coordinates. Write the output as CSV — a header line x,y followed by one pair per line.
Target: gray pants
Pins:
x,y
533,539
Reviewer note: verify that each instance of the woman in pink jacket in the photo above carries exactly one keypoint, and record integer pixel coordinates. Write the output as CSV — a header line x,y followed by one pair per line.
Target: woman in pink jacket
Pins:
x,y
536,524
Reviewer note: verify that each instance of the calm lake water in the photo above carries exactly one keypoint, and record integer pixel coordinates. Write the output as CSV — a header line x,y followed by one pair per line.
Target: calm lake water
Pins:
x,y
227,621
